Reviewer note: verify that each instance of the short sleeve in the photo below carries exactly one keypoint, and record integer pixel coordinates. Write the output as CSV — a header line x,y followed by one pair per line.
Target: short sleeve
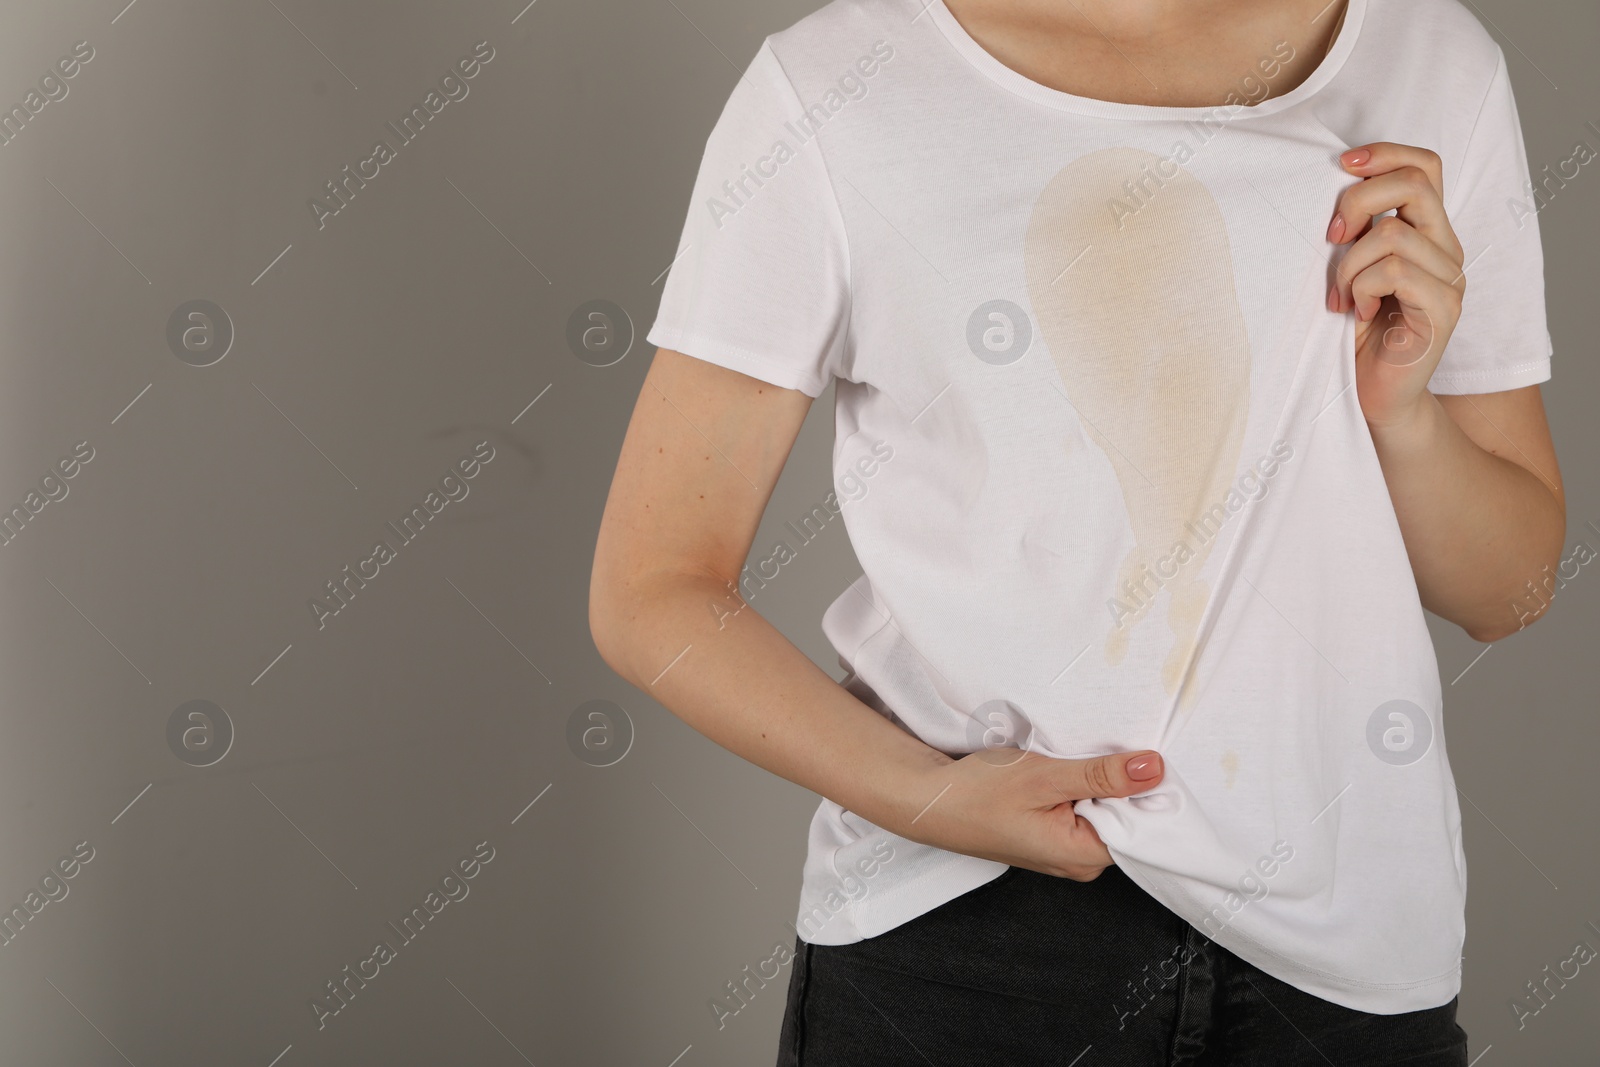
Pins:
x,y
1503,339
761,284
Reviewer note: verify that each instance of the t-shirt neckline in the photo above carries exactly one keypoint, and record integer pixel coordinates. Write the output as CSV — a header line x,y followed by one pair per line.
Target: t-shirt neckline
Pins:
x,y
980,58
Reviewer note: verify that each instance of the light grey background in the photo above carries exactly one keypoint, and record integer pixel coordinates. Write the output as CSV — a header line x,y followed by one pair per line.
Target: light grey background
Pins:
x,y
370,355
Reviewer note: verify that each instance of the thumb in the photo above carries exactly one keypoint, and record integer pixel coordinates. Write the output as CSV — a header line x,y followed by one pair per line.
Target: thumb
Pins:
x,y
1116,775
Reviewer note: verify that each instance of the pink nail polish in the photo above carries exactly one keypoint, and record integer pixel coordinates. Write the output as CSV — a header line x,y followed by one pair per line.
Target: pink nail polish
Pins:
x,y
1144,768
1336,229
1356,157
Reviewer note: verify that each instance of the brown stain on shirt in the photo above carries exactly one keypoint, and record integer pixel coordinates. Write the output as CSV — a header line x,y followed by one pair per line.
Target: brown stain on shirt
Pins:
x,y
1148,337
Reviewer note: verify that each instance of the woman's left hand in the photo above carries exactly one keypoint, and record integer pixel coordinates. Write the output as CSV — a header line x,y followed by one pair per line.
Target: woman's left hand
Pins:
x,y
1402,277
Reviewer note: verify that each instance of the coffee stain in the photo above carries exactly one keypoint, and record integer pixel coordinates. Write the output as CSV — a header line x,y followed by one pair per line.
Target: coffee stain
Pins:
x,y
1146,332
1230,767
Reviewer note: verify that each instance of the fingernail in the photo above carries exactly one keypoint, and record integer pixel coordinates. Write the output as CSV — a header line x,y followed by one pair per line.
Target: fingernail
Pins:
x,y
1336,229
1144,768
1333,298
1356,156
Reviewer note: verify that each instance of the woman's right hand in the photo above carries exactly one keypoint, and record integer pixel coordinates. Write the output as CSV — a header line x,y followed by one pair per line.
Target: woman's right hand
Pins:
x,y
1017,807
679,526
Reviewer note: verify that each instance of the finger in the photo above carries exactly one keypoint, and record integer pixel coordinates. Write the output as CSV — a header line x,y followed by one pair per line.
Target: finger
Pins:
x,y
1433,301
1409,193
1106,776
1382,157
1078,852
1391,236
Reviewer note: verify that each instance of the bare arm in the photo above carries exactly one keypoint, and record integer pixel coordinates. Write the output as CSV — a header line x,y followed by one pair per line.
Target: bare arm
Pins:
x,y
701,457
1481,506
698,465
1473,479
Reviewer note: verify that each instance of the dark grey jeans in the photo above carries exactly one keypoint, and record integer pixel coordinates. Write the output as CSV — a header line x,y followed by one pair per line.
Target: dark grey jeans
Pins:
x,y
1033,970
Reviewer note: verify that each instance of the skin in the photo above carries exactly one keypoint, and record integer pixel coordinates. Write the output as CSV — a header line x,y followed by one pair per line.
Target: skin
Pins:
x,y
1473,478
1180,53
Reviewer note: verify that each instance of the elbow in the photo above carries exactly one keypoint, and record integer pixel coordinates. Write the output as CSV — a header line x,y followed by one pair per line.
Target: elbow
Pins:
x,y
608,621
1499,621
1502,620
1488,635
1518,617
1509,619
603,634
1516,613
612,638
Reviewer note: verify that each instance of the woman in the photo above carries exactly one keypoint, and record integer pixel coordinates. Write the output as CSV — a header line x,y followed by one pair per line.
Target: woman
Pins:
x,y
1162,412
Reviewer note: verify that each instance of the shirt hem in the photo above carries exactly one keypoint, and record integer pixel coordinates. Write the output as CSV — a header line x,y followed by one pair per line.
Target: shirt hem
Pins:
x,y
735,358
1379,998
881,910
1492,381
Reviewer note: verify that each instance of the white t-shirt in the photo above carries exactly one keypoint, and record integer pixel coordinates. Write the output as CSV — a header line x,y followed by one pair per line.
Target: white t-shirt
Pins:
x,y
1103,460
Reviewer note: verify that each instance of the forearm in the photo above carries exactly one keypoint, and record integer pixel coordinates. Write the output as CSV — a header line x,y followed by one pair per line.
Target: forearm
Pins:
x,y
1477,527
692,644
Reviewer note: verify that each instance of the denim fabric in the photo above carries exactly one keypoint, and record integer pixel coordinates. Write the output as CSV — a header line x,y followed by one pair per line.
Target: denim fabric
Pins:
x,y
1047,972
